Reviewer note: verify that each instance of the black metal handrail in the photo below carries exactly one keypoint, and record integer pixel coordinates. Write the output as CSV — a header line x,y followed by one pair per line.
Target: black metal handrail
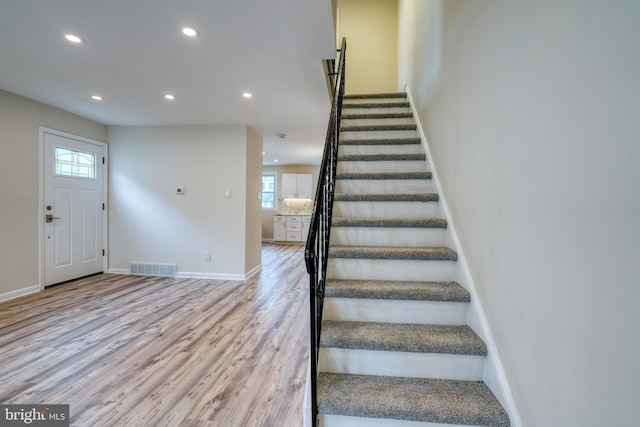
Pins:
x,y
317,247
329,66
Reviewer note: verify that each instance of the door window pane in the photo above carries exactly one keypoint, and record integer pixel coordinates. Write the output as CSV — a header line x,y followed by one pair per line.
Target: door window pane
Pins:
x,y
74,163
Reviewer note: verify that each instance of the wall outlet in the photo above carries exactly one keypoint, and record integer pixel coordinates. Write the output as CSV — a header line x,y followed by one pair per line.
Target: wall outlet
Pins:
x,y
207,256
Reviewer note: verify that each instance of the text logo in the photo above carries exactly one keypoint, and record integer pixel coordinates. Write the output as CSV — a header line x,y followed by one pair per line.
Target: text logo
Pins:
x,y
34,415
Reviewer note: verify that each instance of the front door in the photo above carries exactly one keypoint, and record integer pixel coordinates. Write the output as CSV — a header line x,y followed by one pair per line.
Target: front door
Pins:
x,y
73,208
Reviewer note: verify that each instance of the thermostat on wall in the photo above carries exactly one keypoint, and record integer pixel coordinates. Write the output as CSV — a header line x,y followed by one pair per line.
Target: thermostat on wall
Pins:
x,y
180,190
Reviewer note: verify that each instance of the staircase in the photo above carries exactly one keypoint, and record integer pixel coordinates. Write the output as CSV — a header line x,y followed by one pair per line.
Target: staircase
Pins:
x,y
395,347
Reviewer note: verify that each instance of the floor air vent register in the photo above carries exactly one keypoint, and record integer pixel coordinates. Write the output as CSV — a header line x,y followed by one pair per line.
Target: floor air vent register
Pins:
x,y
148,269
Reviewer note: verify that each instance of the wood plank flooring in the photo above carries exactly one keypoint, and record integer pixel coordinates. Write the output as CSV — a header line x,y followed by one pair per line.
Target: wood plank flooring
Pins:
x,y
152,351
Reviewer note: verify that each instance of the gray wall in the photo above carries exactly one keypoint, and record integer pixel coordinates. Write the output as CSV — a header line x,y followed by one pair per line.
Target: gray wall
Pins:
x,y
149,222
531,109
253,204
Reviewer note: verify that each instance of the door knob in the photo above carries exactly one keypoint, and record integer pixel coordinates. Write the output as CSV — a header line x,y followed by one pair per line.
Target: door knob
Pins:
x,y
50,218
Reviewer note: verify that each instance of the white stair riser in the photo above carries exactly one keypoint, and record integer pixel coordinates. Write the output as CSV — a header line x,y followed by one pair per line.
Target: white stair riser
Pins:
x,y
381,149
388,186
401,364
395,311
386,209
387,121
383,166
383,269
379,134
343,421
384,236
374,100
374,110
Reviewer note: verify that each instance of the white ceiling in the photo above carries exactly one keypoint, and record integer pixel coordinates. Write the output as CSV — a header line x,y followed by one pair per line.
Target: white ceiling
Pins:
x,y
134,53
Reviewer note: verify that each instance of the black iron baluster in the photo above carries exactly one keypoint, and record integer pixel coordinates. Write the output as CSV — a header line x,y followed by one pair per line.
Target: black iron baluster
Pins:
x,y
317,246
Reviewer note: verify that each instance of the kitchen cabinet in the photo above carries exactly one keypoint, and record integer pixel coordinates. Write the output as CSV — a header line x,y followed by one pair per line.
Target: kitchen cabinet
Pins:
x,y
294,228
306,221
291,228
279,228
297,186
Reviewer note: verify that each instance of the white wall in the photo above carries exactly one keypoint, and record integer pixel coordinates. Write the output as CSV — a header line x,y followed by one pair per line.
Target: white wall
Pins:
x,y
149,222
531,109
19,121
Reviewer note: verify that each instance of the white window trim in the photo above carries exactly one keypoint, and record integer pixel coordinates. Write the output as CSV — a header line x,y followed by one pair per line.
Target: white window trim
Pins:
x,y
275,191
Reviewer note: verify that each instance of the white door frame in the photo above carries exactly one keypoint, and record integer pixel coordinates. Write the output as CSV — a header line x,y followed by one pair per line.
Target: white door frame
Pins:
x,y
105,187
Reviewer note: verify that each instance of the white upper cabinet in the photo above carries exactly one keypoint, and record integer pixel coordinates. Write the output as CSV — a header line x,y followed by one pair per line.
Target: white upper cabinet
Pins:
x,y
297,186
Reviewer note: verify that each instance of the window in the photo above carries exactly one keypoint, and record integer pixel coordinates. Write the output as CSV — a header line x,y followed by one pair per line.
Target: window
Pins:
x,y
75,163
269,190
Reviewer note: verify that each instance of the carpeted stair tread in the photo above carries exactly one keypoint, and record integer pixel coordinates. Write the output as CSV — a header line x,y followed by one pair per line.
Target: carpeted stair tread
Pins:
x,y
375,95
433,401
389,222
410,399
404,337
380,141
396,290
380,157
386,197
376,116
402,104
373,128
383,175
391,252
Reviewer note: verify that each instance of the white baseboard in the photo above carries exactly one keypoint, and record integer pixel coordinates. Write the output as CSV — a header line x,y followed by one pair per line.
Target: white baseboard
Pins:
x,y
196,275
253,271
306,405
209,276
19,293
494,375
220,276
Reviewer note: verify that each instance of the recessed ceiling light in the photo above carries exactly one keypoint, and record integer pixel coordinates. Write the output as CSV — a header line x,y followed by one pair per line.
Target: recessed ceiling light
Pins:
x,y
264,152
190,32
169,97
275,161
73,38
282,135
247,94
96,97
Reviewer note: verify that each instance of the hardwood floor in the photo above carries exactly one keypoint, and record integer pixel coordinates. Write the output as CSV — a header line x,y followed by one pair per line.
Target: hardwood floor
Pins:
x,y
151,351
